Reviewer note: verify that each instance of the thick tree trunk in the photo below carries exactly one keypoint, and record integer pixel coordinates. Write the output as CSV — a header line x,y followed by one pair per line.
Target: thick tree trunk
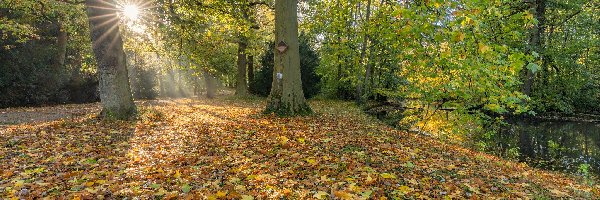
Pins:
x,y
250,68
287,97
209,80
241,88
535,41
115,93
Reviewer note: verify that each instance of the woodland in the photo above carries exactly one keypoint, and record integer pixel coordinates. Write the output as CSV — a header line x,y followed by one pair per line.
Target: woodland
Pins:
x,y
299,99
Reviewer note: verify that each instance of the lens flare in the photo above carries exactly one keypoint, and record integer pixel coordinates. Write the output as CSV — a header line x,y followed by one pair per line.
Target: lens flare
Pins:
x,y
131,12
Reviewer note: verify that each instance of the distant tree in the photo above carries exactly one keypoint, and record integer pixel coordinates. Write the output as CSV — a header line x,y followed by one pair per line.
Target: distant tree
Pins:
x,y
115,93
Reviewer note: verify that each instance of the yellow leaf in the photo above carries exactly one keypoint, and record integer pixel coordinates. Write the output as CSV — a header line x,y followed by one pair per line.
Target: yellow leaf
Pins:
x,y
247,197
301,140
221,194
311,161
324,178
483,48
388,175
321,195
405,189
370,179
177,174
160,192
342,195
283,140
459,37
89,183
19,184
91,190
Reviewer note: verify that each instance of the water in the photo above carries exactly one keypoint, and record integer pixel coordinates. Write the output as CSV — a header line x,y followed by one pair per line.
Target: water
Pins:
x,y
554,145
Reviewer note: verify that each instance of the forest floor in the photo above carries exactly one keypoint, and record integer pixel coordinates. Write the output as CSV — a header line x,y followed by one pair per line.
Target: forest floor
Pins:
x,y
227,149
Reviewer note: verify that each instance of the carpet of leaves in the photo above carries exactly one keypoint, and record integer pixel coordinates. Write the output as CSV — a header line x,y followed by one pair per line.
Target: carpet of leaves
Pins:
x,y
226,149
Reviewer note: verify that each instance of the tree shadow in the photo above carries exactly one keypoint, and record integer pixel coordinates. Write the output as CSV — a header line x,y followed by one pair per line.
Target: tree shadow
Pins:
x,y
64,158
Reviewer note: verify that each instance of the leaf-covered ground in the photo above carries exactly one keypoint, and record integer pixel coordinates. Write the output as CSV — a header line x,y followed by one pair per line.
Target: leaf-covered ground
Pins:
x,y
226,149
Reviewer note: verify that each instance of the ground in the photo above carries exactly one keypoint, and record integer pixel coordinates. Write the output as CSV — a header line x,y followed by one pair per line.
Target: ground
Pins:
x,y
227,149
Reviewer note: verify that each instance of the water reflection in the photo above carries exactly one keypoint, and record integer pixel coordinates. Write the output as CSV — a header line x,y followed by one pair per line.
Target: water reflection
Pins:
x,y
555,145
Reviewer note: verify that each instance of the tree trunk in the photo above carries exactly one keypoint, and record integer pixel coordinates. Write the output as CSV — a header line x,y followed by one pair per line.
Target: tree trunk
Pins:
x,y
115,93
363,53
250,68
61,43
535,41
241,88
210,85
287,97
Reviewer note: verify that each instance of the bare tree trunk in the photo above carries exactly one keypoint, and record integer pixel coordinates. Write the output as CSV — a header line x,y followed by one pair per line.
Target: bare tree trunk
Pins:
x,y
241,88
287,97
250,68
210,85
115,93
363,53
61,43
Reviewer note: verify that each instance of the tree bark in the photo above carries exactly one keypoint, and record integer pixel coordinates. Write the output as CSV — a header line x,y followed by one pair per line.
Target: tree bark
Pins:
x,y
210,85
363,53
241,88
115,93
250,68
61,43
287,97
535,41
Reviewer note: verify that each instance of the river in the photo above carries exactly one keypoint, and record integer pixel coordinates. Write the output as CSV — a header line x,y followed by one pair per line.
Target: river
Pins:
x,y
572,147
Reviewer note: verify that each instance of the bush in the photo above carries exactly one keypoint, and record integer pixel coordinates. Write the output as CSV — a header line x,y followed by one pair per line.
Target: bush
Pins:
x,y
309,61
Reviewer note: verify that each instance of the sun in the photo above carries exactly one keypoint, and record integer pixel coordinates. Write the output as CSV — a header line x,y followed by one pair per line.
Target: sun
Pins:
x,y
131,12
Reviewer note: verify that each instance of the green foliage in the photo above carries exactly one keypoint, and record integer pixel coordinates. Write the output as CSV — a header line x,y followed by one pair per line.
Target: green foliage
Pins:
x,y
309,61
568,80
144,86
30,69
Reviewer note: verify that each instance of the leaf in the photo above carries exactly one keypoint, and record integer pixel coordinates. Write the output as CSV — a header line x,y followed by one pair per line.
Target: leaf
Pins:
x,y
247,197
186,188
284,140
533,67
155,186
366,194
408,165
370,180
342,195
388,175
483,48
161,192
321,195
311,161
89,183
177,174
221,194
404,189
91,190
